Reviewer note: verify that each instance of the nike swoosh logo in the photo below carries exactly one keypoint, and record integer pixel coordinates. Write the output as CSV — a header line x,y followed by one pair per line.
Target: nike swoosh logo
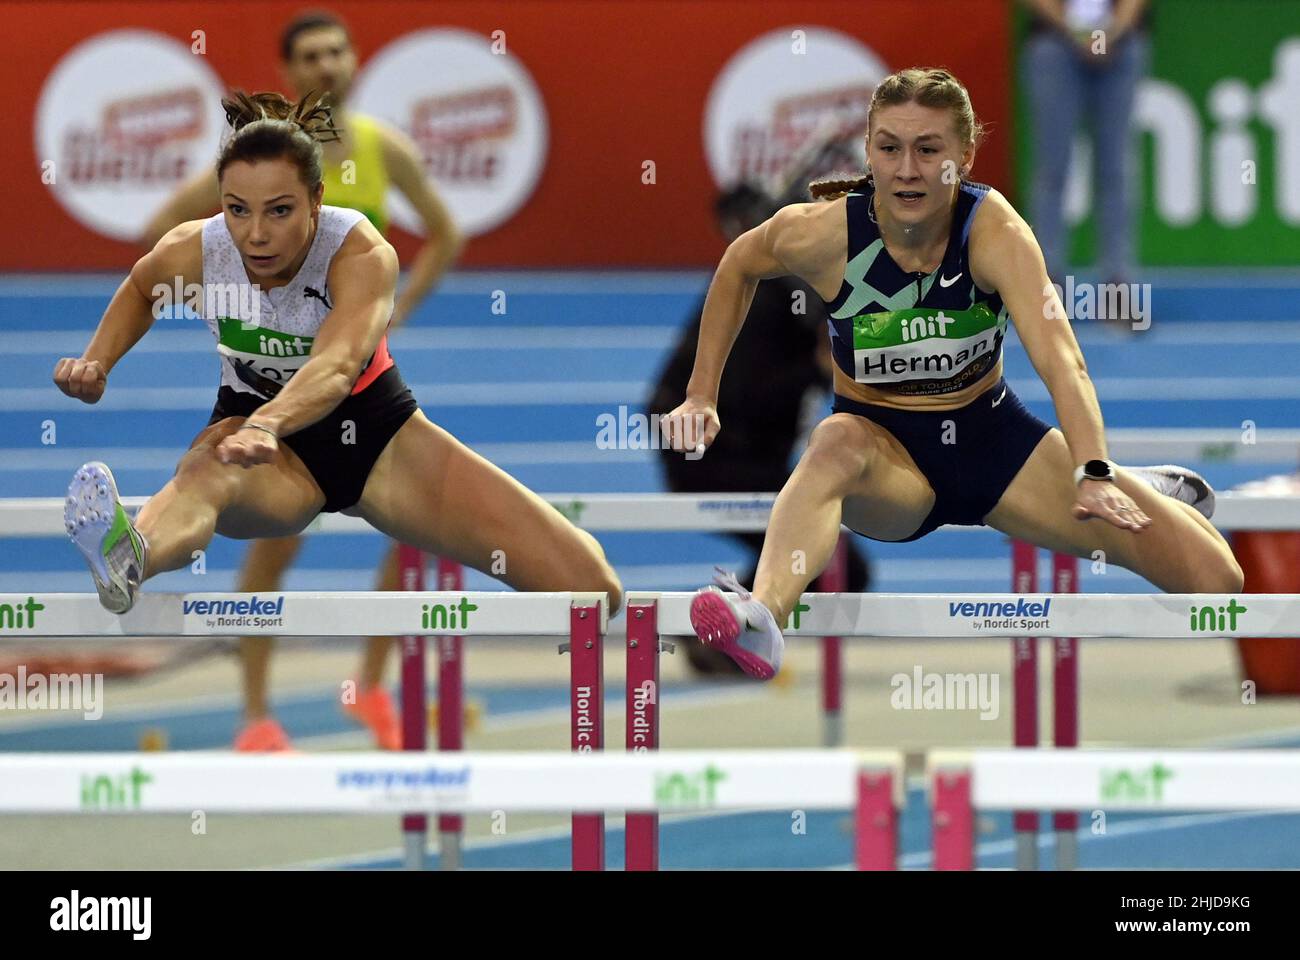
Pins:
x,y
1000,396
945,282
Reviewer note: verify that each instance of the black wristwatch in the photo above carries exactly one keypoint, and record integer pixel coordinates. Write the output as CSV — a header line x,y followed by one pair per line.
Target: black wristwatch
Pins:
x,y
1095,470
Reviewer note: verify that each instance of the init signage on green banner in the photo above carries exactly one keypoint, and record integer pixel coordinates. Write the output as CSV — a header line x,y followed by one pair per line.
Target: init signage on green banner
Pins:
x,y
1217,123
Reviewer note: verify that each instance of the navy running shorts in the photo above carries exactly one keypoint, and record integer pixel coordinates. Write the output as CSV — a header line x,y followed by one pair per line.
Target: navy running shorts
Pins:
x,y
995,434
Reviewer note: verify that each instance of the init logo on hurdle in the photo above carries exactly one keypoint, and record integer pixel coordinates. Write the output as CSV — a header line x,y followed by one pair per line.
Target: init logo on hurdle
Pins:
x,y
1203,618
12,615
439,616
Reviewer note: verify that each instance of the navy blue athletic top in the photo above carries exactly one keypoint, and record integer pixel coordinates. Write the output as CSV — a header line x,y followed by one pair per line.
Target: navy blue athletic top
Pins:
x,y
914,334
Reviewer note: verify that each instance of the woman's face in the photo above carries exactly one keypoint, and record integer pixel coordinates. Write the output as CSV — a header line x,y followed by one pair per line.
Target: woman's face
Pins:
x,y
269,214
916,159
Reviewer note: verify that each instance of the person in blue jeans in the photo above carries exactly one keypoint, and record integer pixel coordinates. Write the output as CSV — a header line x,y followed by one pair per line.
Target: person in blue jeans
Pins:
x,y
1068,69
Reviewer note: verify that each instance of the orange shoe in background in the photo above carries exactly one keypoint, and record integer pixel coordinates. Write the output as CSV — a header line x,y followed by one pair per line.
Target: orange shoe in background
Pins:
x,y
374,709
262,736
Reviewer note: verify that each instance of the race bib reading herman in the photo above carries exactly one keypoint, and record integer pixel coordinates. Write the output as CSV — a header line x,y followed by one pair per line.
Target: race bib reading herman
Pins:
x,y
926,351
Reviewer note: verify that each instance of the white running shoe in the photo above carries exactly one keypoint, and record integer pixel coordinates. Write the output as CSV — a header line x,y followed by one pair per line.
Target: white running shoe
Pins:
x,y
1181,484
747,632
114,550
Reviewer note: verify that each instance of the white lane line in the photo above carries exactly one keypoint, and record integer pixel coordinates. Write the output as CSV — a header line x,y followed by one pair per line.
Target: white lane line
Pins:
x,y
1156,389
75,283
635,576
1275,447
632,394
1047,839
914,860
506,720
408,340
188,336
188,340
538,835
613,823
629,393
21,459
1194,333
460,283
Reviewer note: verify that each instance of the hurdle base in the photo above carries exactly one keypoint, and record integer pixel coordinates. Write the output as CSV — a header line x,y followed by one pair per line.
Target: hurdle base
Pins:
x,y
1026,850
832,729
413,843
449,851
1067,850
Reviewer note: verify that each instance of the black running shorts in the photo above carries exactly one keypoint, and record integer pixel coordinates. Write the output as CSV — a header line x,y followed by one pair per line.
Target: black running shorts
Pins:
x,y
339,455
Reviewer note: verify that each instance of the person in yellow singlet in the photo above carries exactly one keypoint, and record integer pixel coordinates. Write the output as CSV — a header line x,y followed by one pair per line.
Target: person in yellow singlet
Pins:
x,y
317,55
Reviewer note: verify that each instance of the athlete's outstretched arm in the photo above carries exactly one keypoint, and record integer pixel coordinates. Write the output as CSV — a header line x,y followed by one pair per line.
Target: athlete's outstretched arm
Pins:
x,y
361,281
1005,257
753,256
442,240
775,248
130,314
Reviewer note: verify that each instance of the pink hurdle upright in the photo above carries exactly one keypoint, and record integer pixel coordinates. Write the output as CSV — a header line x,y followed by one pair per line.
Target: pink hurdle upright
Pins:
x,y
876,816
1024,683
415,826
587,714
1024,655
1065,704
451,713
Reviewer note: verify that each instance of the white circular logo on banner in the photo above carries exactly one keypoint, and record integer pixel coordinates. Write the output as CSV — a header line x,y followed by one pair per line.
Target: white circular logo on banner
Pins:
x,y
778,91
125,118
475,116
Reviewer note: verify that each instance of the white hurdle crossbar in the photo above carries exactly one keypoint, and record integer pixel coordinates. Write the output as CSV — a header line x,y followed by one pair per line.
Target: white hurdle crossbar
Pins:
x,y
580,618
610,512
992,616
55,616
655,616
964,781
871,783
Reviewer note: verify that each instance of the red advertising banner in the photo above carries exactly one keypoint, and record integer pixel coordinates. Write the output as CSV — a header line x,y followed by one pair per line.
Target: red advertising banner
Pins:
x,y
561,133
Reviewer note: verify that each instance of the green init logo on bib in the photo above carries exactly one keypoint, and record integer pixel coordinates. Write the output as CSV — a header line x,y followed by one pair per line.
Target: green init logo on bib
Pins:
x,y
922,344
271,354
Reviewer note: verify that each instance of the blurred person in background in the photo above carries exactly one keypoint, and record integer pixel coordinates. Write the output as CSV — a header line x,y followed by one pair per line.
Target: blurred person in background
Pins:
x,y
317,55
783,380
1070,68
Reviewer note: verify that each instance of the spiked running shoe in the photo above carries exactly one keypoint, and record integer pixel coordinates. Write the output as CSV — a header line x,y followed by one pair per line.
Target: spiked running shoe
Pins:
x,y
114,550
375,709
1181,484
747,632
263,736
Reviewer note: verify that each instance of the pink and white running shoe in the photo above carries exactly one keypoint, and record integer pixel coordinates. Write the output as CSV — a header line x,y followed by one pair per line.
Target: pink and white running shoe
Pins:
x,y
746,631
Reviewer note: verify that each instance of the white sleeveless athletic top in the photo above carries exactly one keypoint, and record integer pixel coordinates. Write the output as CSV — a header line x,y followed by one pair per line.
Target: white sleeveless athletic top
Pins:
x,y
265,336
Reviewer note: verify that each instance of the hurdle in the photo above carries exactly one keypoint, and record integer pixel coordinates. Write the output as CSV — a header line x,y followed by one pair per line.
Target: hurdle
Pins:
x,y
708,513
580,618
924,616
742,512
963,782
868,782
1025,702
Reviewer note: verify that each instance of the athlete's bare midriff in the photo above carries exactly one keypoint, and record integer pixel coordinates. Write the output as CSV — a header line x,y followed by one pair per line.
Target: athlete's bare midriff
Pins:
x,y
846,386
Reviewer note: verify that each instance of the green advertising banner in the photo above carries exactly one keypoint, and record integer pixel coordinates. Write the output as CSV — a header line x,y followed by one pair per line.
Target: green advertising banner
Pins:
x,y
1217,137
